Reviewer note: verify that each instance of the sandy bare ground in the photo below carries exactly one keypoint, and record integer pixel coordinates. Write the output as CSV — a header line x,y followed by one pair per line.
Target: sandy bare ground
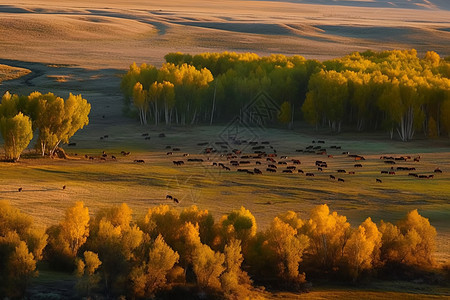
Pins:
x,y
112,34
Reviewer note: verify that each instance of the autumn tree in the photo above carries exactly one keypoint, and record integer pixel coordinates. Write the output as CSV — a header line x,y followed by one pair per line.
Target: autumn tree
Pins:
x,y
162,220
285,115
422,239
235,282
208,266
362,249
411,242
114,236
140,100
20,248
205,222
17,134
75,226
328,234
56,119
239,224
88,278
150,274
66,238
286,247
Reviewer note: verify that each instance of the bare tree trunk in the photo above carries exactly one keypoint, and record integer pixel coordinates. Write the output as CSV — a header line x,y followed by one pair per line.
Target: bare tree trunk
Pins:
x,y
291,126
193,118
438,118
156,112
213,106
54,148
166,112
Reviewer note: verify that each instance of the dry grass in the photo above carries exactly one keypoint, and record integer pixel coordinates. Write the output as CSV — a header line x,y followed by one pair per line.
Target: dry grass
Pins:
x,y
114,33
104,183
10,73
102,35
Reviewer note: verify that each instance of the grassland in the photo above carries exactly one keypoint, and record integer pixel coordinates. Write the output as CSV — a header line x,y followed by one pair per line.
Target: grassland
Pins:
x,y
10,73
85,46
104,183
105,34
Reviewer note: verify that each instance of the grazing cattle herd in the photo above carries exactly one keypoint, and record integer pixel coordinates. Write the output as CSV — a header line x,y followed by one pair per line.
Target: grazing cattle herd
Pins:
x,y
261,157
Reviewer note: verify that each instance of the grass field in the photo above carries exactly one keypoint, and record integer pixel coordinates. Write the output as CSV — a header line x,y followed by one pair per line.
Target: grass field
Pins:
x,y
114,33
10,73
104,183
83,47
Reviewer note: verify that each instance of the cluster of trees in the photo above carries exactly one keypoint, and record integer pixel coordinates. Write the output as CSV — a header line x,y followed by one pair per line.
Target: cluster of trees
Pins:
x,y
113,254
173,91
56,120
230,82
394,90
389,90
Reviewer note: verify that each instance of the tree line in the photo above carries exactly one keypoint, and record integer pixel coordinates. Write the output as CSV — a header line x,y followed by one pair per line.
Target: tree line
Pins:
x,y
113,254
56,120
395,91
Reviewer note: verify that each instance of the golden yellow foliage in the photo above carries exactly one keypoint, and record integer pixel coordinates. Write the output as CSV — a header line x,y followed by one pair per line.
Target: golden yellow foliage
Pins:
x,y
75,226
287,248
361,248
235,282
328,234
150,275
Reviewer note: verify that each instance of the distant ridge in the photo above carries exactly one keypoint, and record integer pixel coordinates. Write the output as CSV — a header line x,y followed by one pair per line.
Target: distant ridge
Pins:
x,y
409,4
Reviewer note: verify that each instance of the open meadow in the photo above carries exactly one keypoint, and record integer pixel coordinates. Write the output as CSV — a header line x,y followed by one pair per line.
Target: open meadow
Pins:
x,y
101,183
112,34
85,47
